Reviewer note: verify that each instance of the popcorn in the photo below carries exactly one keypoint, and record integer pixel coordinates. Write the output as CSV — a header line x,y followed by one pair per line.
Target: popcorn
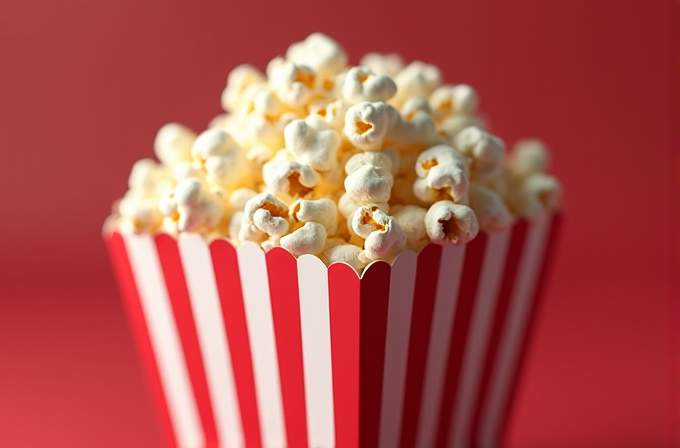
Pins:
x,y
320,53
366,124
347,205
449,223
339,252
417,79
261,130
314,155
443,173
293,83
491,212
238,80
323,211
264,215
173,144
411,219
413,105
375,159
138,215
332,114
528,157
383,64
218,153
190,207
460,99
283,175
149,179
537,194
384,239
369,184
308,239
312,146
369,126
361,84
452,125
485,151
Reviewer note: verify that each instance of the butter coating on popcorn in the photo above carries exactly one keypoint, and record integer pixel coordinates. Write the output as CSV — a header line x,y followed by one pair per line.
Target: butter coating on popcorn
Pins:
x,y
352,164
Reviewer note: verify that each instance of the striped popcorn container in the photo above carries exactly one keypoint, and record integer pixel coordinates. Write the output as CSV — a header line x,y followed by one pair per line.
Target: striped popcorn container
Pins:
x,y
246,350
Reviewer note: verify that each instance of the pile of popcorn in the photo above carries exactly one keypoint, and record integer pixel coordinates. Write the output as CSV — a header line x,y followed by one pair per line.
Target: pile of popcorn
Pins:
x,y
352,164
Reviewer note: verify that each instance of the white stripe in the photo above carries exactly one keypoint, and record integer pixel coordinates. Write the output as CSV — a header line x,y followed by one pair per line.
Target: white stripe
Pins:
x,y
520,304
165,340
402,285
212,338
480,328
443,315
316,350
257,300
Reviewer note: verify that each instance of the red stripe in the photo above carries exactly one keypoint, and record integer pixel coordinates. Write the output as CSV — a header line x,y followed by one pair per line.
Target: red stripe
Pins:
x,y
472,268
171,263
130,295
421,319
345,293
375,297
547,261
228,282
502,304
285,300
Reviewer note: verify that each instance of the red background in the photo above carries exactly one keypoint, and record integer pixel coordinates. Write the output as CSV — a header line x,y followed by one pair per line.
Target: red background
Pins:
x,y
85,85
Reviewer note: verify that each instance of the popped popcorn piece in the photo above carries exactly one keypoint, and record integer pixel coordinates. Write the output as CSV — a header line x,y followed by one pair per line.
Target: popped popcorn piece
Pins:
x,y
340,252
138,214
417,79
450,223
236,223
182,170
361,84
370,126
283,175
369,184
332,114
491,212
375,159
384,239
451,125
312,146
528,157
219,154
149,179
383,64
413,105
347,205
293,83
537,194
324,211
411,219
417,132
173,144
485,152
320,53
264,213
238,80
239,197
262,130
191,207
459,99
366,124
443,173
308,239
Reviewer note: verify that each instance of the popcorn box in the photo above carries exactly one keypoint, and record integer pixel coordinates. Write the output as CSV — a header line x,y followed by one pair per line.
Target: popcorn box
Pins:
x,y
247,349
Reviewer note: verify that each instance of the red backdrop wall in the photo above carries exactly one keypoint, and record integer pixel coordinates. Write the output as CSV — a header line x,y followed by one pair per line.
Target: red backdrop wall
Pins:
x,y
85,85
